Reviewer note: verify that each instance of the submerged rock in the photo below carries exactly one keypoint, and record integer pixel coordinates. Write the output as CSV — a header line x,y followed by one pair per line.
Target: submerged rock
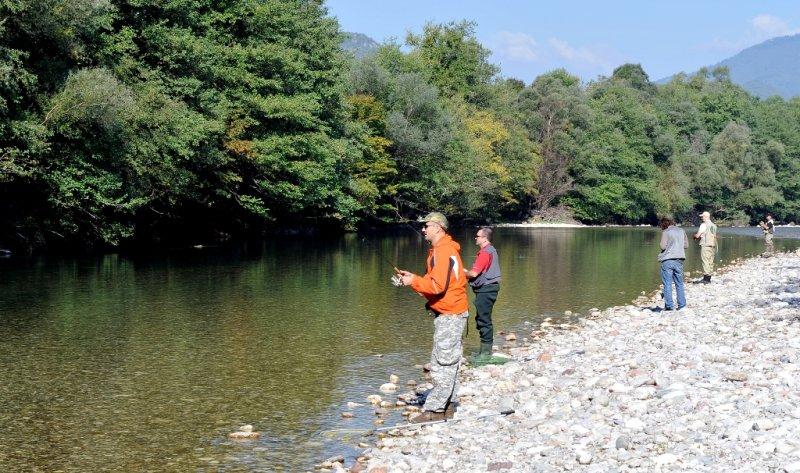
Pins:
x,y
245,432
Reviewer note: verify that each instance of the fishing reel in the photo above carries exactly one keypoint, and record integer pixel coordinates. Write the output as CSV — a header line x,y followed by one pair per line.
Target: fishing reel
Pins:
x,y
396,280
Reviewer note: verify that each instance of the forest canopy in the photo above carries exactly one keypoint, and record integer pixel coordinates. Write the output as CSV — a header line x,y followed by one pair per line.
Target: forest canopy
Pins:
x,y
149,120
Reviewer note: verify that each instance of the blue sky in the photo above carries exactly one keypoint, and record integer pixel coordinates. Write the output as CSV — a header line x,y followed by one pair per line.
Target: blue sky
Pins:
x,y
588,38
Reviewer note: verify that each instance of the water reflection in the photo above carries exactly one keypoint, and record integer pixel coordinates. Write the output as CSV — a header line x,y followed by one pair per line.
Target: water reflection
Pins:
x,y
133,363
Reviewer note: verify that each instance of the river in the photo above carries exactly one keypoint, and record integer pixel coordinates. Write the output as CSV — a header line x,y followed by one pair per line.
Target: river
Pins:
x,y
147,362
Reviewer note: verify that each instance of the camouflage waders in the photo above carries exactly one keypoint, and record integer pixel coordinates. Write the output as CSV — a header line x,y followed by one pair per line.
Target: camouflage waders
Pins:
x,y
445,359
769,245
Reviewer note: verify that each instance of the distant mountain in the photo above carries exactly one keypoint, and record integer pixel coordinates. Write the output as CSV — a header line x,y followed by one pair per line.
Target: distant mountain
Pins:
x,y
359,44
766,69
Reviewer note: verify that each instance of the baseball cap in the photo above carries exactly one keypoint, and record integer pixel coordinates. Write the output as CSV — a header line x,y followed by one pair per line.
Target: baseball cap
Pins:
x,y
435,217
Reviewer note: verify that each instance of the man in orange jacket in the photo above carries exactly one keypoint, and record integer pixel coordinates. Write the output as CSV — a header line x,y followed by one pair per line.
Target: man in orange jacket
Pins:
x,y
445,288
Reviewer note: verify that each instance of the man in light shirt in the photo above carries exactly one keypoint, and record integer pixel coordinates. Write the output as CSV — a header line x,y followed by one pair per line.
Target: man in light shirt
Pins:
x,y
707,234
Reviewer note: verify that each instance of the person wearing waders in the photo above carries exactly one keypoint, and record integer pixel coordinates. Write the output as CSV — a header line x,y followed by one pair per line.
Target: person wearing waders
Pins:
x,y
444,286
769,234
484,277
707,234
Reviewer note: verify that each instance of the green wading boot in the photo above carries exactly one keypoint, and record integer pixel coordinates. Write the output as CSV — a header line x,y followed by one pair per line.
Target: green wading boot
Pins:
x,y
484,357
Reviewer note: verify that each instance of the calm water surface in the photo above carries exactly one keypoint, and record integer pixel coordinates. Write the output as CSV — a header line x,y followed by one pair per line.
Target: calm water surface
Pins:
x,y
135,364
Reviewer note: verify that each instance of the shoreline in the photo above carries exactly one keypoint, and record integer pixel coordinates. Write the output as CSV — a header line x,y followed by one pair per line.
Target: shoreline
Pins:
x,y
715,387
543,225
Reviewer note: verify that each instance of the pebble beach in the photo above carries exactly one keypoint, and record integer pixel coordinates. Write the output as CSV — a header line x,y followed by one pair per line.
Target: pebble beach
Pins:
x,y
714,387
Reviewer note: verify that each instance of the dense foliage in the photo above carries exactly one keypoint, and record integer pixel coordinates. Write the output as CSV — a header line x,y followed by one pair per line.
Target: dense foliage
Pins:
x,y
152,119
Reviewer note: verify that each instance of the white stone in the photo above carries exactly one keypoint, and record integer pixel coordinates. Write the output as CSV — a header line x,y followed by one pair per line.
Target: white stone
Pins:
x,y
634,424
763,424
665,459
792,467
766,448
619,388
583,457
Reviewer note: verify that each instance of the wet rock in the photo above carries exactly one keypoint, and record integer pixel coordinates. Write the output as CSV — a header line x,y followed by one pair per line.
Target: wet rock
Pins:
x,y
388,387
348,415
245,432
334,459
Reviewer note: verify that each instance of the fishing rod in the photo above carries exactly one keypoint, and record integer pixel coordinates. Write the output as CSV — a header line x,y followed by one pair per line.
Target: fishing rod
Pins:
x,y
442,421
380,254
368,432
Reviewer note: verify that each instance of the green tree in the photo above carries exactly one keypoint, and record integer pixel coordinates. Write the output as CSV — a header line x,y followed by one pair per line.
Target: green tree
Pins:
x,y
555,114
616,177
456,61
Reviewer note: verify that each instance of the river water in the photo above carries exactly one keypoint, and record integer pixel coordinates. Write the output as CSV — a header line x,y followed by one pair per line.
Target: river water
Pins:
x,y
137,363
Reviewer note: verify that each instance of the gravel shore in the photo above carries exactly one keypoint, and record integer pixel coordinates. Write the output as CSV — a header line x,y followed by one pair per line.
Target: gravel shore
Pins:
x,y
714,387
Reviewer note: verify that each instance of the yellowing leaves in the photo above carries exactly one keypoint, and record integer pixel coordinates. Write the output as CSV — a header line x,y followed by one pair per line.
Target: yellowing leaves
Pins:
x,y
485,134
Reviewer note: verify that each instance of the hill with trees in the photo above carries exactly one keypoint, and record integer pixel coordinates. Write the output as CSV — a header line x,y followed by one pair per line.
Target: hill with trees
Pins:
x,y
766,69
359,44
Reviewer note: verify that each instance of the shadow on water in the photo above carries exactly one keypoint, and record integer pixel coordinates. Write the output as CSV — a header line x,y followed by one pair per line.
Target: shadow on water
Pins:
x,y
148,362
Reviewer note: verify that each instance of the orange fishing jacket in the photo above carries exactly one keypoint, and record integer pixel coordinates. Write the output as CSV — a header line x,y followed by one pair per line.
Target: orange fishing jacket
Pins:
x,y
444,285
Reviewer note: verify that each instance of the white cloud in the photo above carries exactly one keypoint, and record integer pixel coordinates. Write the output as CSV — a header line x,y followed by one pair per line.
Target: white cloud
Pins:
x,y
761,28
770,26
569,53
522,52
517,46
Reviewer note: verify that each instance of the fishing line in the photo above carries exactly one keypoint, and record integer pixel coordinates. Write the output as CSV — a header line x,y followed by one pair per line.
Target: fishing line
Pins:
x,y
380,254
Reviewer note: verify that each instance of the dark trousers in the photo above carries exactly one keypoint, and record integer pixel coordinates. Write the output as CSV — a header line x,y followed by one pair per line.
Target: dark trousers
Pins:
x,y
484,302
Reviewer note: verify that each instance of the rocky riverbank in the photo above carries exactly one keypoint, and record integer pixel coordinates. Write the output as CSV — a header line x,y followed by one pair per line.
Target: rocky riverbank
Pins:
x,y
715,387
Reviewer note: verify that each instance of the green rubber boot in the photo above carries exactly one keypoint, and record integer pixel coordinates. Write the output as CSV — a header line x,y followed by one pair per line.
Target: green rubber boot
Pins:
x,y
484,357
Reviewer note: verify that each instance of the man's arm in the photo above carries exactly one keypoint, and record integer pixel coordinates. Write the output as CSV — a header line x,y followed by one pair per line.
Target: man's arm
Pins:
x,y
700,231
663,241
482,263
436,281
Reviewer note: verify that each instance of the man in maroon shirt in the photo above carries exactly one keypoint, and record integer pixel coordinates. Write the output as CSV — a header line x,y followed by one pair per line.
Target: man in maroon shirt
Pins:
x,y
485,281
